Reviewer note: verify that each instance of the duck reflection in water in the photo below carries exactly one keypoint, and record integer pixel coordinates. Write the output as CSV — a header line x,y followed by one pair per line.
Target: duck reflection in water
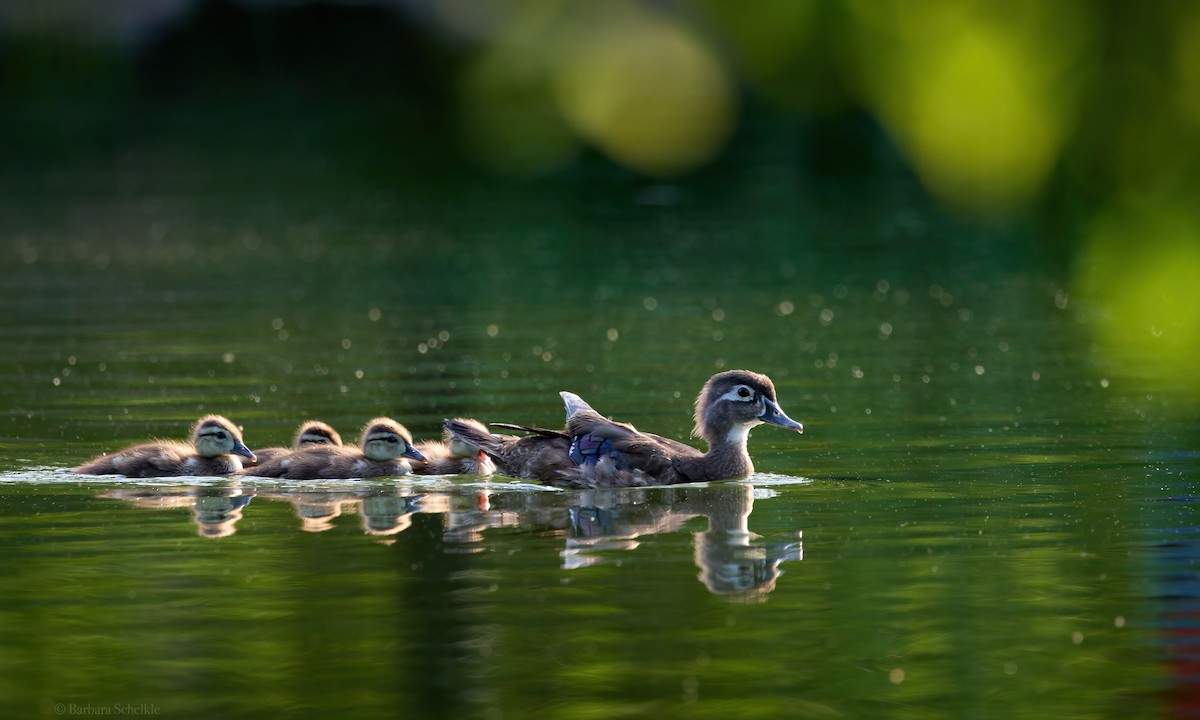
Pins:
x,y
730,564
216,509
733,562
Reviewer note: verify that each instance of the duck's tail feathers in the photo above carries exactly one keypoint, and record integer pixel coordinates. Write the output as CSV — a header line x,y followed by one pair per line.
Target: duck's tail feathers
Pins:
x,y
575,404
534,430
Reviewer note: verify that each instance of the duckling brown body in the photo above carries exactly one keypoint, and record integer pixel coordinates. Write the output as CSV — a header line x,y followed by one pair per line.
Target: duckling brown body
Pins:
x,y
593,451
451,456
384,448
312,433
215,448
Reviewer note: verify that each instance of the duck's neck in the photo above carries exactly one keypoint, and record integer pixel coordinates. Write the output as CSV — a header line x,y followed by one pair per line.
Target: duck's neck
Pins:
x,y
727,454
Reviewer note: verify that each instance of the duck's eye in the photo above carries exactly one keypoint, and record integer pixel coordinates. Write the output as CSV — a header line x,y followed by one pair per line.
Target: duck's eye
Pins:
x,y
393,440
744,392
221,436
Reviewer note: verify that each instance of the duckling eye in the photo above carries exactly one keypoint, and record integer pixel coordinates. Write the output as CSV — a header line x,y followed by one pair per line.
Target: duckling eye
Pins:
x,y
744,392
221,435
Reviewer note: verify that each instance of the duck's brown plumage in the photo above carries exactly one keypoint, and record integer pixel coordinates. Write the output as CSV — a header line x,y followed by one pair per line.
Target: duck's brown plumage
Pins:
x,y
384,447
312,433
593,451
214,450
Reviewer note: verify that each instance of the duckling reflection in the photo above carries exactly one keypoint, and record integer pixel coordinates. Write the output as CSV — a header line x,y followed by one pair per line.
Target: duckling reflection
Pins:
x,y
386,514
216,509
317,510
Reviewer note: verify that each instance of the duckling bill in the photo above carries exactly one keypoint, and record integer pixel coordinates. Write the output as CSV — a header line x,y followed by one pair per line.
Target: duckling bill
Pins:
x,y
214,450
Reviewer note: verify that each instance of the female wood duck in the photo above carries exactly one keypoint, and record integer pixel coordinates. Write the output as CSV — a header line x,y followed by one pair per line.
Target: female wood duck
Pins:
x,y
452,456
596,452
215,445
309,434
383,448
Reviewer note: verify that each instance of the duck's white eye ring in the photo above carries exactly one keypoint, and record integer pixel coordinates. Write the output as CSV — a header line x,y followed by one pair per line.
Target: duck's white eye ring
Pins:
x,y
744,392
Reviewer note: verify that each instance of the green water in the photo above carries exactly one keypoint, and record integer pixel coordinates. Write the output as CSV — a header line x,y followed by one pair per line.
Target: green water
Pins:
x,y
984,518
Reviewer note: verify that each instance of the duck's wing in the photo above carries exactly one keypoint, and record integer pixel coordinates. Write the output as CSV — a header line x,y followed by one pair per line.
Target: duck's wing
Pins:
x,y
265,455
607,448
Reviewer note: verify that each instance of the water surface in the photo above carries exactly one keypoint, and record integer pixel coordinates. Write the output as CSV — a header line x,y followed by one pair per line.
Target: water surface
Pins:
x,y
984,518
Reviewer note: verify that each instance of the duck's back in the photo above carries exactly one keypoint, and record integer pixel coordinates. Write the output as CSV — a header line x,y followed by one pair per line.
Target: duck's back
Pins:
x,y
615,454
328,463
266,455
160,459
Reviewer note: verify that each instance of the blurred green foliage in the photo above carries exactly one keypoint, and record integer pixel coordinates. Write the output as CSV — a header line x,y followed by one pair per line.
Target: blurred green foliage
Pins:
x,y
1083,115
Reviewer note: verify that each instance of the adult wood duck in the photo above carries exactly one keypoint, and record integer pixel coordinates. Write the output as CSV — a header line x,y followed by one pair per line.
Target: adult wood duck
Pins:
x,y
309,434
453,456
384,447
593,451
214,450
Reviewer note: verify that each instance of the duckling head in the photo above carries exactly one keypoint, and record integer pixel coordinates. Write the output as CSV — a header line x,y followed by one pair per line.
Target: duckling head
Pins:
x,y
735,401
386,439
215,435
315,432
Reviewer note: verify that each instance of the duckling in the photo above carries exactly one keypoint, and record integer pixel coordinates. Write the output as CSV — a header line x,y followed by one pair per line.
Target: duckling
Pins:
x,y
310,433
215,444
454,456
383,448
593,451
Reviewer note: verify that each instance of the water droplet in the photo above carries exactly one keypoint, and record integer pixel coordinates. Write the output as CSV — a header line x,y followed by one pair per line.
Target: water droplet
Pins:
x,y
649,303
785,308
373,314
493,330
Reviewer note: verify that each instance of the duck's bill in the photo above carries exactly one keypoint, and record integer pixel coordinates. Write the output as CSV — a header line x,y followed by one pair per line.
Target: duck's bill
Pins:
x,y
413,453
241,449
775,415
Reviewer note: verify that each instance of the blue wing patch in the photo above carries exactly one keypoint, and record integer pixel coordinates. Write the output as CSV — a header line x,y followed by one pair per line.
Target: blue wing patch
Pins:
x,y
589,449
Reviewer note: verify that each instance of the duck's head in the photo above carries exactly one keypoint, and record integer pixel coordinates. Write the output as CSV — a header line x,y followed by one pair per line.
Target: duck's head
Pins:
x,y
315,432
733,402
214,435
386,439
